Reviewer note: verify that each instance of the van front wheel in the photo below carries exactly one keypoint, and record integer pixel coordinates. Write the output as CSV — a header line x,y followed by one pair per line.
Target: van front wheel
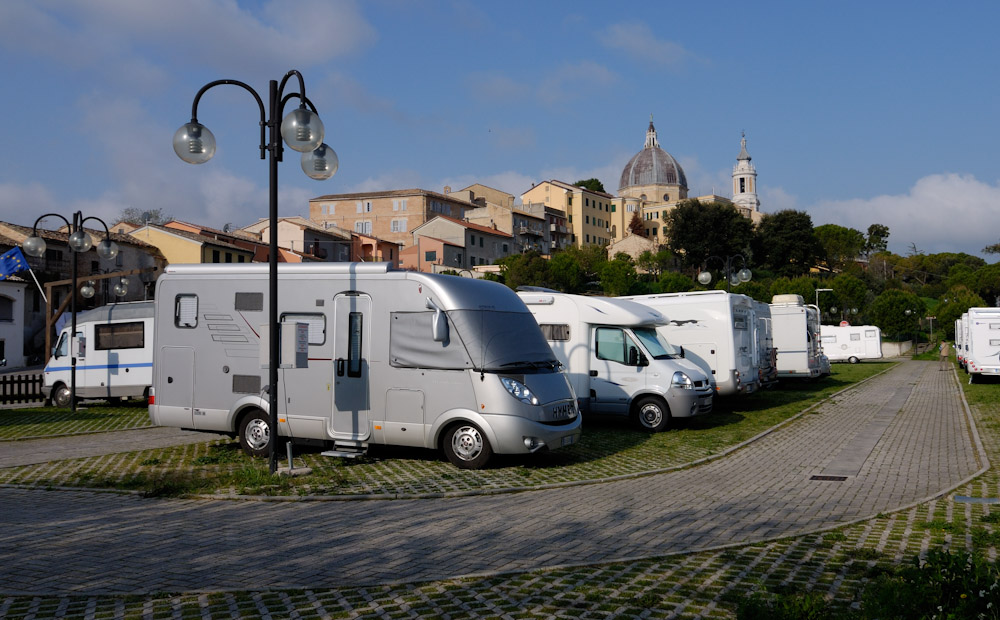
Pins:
x,y
255,433
466,446
61,395
652,414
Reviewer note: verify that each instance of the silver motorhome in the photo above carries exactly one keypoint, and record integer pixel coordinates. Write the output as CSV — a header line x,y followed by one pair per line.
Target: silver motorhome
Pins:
x,y
394,357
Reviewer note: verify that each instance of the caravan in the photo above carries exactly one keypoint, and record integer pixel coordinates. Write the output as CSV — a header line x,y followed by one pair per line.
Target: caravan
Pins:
x,y
383,357
114,355
718,332
796,336
767,354
617,362
983,342
962,341
851,343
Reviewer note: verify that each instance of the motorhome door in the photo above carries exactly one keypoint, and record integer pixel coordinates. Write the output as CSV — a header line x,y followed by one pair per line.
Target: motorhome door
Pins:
x,y
351,352
614,376
175,387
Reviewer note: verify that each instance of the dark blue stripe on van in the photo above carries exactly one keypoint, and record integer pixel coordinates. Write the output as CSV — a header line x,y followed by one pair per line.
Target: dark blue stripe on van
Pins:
x,y
103,367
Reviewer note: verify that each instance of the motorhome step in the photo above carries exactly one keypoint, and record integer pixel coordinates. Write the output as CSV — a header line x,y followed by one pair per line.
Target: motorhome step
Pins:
x,y
347,450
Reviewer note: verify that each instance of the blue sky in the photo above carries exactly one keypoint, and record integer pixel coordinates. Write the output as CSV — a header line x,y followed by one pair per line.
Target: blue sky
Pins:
x,y
855,112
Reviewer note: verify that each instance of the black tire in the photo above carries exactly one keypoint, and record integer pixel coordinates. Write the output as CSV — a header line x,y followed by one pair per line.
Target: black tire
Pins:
x,y
466,446
255,432
853,360
651,414
61,395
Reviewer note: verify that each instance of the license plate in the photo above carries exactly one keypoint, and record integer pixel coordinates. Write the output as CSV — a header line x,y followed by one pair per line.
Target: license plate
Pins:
x,y
567,440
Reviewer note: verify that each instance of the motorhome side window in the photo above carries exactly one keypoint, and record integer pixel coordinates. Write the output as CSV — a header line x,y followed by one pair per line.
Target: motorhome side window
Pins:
x,y
119,336
186,311
869,333
829,339
62,347
354,345
612,344
855,337
316,323
554,332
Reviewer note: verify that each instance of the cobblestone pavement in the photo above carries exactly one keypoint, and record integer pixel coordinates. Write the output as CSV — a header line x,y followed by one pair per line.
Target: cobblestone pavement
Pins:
x,y
891,442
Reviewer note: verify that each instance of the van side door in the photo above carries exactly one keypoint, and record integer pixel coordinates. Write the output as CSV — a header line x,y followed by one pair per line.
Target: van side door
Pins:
x,y
352,317
615,373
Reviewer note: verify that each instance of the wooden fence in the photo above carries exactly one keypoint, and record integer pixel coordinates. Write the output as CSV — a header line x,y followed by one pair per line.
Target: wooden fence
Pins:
x,y
21,388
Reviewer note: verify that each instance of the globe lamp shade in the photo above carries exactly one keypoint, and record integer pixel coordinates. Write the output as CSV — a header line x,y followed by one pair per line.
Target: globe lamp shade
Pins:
x,y
34,246
321,163
194,143
302,130
107,249
80,241
704,278
745,275
87,290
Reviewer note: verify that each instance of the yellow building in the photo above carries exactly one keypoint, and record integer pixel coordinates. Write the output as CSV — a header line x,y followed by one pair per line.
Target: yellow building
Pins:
x,y
588,213
181,246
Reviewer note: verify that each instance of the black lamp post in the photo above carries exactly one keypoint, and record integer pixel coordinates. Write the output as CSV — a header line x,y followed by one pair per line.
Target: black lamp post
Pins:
x,y
302,130
79,241
732,278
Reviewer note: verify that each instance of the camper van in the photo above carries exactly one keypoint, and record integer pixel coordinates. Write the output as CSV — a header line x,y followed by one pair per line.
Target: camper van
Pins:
x,y
962,341
767,355
114,355
617,362
374,356
717,331
983,340
851,343
796,336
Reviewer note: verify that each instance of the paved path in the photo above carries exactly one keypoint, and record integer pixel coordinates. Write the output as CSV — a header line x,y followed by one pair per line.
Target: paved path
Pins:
x,y
895,440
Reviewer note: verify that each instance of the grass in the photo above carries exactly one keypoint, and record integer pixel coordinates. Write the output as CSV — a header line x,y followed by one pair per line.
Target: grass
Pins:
x,y
609,447
94,417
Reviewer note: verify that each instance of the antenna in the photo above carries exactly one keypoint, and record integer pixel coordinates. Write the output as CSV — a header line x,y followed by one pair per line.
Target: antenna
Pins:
x,y
145,217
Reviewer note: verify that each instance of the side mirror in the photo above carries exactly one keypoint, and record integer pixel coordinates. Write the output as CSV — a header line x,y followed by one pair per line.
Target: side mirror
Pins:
x,y
633,356
682,351
439,324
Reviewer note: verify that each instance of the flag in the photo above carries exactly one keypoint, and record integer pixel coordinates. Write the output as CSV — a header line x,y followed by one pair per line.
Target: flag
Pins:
x,y
11,262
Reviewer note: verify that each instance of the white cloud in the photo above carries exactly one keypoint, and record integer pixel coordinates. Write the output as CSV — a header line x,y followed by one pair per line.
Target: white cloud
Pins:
x,y
774,199
637,40
941,213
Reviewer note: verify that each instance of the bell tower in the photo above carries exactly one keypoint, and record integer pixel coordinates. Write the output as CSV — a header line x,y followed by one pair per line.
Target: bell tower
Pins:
x,y
745,182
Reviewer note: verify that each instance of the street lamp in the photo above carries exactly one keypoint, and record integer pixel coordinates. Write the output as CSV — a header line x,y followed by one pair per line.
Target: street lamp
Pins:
x,y
79,241
302,130
821,290
732,278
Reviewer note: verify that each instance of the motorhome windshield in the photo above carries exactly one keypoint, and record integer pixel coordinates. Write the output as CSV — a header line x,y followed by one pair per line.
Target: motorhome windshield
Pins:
x,y
502,341
656,346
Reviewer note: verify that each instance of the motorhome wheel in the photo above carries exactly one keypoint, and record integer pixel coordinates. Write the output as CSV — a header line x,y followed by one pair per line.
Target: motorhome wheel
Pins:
x,y
652,414
853,360
61,395
255,433
466,447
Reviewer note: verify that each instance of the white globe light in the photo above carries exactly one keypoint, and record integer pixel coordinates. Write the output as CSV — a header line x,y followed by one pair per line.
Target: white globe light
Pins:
x,y
302,130
745,275
107,249
734,279
704,278
121,289
80,241
194,143
87,290
321,163
34,246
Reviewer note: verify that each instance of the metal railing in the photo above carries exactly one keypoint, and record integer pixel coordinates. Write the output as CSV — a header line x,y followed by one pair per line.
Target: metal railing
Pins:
x,y
21,388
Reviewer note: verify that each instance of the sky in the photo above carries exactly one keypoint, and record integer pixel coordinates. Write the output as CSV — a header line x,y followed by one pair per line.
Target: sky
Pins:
x,y
856,112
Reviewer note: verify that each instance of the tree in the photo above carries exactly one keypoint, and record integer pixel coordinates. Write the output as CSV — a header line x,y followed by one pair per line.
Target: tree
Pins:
x,y
888,312
877,239
786,244
565,273
140,217
953,305
618,276
655,264
850,292
528,269
635,225
593,185
673,282
697,231
992,249
840,245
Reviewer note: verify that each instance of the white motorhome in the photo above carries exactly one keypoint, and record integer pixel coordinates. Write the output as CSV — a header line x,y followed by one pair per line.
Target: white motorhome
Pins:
x,y
796,336
617,362
393,357
767,361
983,357
114,355
717,330
851,343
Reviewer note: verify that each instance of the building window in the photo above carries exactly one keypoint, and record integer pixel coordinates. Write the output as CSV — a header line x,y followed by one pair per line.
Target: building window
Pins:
x,y
431,256
480,241
505,250
241,258
743,185
586,202
472,239
398,225
215,256
613,207
6,309
229,257
586,219
363,226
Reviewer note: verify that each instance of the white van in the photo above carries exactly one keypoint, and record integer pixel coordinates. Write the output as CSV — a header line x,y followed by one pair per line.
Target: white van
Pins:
x,y
851,343
390,357
616,360
114,359
983,357
716,329
796,336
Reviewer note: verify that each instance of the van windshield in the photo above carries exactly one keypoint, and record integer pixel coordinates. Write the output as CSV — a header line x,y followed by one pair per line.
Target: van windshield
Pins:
x,y
503,341
657,347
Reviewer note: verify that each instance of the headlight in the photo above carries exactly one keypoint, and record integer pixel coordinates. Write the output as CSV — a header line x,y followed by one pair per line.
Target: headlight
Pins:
x,y
682,381
519,391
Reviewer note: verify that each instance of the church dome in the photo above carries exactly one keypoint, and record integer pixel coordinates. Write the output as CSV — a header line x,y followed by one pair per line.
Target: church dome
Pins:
x,y
652,166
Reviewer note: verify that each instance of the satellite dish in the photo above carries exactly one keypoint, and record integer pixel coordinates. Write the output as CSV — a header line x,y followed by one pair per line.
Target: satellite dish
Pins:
x,y
228,227
146,215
